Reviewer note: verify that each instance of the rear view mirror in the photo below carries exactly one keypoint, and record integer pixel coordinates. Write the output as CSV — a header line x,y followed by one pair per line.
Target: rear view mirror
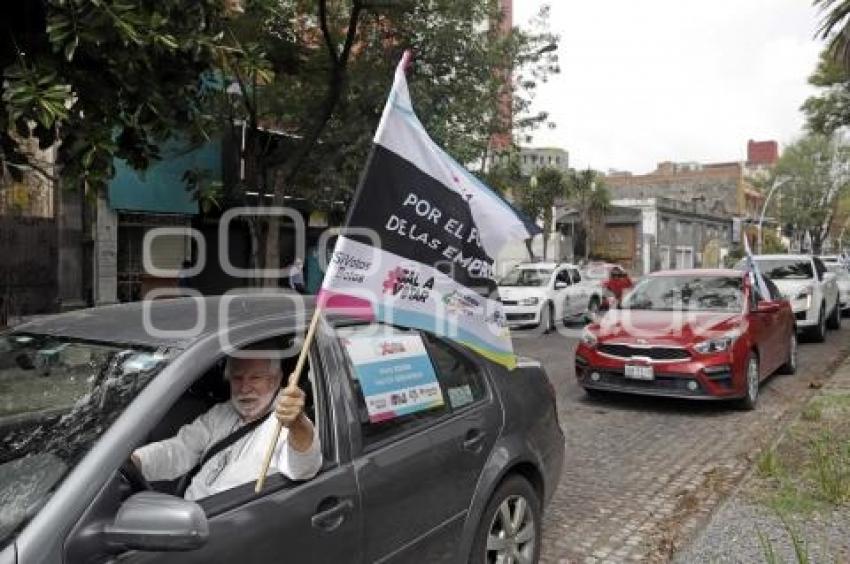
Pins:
x,y
152,521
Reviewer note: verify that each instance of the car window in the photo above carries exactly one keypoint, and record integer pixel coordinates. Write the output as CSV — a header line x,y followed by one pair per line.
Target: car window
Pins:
x,y
563,276
819,267
775,294
533,277
783,269
696,293
459,377
392,379
575,275
403,380
59,396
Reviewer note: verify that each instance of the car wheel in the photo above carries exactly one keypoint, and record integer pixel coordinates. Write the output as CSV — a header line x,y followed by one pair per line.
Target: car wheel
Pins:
x,y
750,400
790,366
510,528
547,318
818,332
834,321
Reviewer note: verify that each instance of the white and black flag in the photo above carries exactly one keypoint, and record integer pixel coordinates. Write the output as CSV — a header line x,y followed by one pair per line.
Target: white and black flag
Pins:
x,y
435,232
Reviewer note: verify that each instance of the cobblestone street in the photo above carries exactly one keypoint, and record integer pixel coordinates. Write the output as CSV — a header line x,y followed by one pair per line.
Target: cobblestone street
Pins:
x,y
641,475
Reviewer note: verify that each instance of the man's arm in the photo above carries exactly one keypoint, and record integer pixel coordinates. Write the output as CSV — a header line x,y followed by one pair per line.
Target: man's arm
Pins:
x,y
301,458
171,458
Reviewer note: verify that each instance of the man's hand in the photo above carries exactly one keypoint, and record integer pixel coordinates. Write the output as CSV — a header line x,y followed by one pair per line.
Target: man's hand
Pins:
x,y
289,410
289,405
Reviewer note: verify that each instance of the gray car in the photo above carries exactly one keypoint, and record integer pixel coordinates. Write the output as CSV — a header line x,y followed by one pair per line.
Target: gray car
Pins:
x,y
465,481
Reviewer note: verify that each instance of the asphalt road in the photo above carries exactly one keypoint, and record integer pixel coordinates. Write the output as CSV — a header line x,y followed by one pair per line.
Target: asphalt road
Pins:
x,y
642,475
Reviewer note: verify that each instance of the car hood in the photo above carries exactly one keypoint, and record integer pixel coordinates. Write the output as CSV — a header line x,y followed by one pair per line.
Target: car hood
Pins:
x,y
665,327
790,288
521,292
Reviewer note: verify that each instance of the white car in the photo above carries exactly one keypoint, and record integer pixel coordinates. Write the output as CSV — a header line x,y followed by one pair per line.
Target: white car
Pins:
x,y
539,293
812,290
842,278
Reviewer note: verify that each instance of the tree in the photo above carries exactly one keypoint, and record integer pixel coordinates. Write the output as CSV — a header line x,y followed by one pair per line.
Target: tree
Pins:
x,y
537,200
325,84
829,110
101,79
817,169
588,195
835,29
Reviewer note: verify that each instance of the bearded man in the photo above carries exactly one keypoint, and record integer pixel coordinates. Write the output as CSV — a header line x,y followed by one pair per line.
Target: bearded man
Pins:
x,y
255,394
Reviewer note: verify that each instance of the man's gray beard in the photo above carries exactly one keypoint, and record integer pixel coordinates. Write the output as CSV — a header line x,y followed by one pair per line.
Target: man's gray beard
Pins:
x,y
262,402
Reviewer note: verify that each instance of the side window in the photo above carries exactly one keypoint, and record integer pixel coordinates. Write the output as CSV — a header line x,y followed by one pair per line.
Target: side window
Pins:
x,y
775,294
459,377
563,276
393,380
575,276
819,266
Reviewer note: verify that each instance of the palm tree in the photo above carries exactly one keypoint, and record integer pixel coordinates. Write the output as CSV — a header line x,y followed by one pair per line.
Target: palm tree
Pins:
x,y
835,27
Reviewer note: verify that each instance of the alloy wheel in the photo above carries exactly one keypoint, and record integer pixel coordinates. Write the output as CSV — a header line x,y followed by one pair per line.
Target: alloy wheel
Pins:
x,y
792,361
753,379
512,533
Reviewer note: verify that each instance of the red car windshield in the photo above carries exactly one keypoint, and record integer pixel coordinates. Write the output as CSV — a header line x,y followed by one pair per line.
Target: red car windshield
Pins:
x,y
693,293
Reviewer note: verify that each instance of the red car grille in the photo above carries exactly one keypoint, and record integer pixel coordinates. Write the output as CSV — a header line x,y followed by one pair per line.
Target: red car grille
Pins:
x,y
654,353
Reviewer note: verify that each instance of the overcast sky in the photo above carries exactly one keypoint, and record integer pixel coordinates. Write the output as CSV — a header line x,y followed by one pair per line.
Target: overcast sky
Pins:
x,y
644,81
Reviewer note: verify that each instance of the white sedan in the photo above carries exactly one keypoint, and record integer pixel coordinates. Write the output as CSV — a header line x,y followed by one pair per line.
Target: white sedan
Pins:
x,y
812,290
539,293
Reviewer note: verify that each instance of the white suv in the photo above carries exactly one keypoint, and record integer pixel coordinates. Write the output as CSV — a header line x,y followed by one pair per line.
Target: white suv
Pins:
x,y
539,293
810,287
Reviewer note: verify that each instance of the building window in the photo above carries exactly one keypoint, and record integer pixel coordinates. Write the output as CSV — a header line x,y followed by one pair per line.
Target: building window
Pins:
x,y
664,252
684,257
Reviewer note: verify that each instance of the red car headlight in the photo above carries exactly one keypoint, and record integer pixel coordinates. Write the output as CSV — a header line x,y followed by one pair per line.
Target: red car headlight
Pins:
x,y
720,344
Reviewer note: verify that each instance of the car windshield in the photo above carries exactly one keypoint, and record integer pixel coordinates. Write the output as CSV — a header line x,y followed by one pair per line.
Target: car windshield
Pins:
x,y
527,277
595,272
784,269
57,397
693,293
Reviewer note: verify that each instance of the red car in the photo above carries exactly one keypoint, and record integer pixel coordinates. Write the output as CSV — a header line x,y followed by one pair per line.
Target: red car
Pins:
x,y
704,334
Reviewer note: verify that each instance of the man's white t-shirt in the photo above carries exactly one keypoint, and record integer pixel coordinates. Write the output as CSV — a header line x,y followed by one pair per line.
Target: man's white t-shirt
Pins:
x,y
237,464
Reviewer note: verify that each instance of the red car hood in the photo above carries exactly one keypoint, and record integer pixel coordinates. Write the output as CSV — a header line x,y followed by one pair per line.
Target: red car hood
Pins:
x,y
664,327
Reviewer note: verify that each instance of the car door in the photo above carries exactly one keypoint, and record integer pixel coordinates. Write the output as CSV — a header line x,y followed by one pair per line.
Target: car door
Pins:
x,y
318,520
577,294
763,328
561,292
417,472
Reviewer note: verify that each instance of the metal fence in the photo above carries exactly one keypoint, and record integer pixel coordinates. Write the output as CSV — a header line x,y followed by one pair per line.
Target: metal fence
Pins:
x,y
28,278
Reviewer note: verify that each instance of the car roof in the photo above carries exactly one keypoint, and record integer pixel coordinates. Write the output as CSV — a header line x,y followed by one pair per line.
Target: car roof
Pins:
x,y
730,272
125,323
783,257
549,265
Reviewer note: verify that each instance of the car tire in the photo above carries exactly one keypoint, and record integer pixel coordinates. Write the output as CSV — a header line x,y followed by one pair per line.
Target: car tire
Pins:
x,y
818,332
514,499
834,321
547,318
790,366
751,395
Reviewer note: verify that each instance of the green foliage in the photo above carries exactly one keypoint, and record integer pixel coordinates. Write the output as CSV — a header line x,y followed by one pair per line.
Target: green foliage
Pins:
x,y
817,170
828,110
106,78
589,196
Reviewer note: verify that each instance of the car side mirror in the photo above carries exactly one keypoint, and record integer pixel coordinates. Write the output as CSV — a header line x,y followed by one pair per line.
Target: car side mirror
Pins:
x,y
767,307
560,285
153,521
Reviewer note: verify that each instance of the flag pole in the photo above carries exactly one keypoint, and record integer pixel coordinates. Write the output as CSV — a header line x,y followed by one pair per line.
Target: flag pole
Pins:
x,y
406,61
293,381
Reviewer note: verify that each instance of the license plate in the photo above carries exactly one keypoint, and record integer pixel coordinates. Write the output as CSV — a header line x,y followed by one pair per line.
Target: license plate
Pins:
x,y
639,372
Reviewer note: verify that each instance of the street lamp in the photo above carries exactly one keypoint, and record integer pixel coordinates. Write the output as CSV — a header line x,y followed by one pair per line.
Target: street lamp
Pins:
x,y
776,184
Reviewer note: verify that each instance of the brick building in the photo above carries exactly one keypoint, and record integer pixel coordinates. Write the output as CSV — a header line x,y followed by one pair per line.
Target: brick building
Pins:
x,y
721,186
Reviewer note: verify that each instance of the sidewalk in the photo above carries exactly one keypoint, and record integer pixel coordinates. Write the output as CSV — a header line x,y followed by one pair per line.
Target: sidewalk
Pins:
x,y
776,508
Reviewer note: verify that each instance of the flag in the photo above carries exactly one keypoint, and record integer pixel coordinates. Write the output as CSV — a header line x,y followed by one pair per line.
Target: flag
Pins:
x,y
753,269
421,237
